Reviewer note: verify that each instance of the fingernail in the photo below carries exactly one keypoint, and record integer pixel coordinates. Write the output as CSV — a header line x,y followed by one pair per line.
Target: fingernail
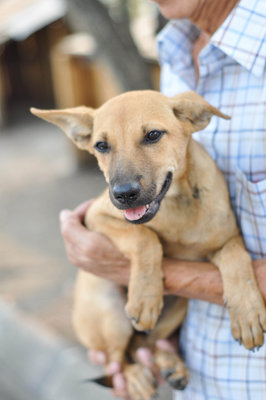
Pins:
x,y
165,345
145,356
64,214
113,368
98,357
119,382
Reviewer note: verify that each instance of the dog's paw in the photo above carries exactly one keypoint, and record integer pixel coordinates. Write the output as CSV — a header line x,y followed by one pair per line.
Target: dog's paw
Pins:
x,y
140,382
144,311
248,318
172,369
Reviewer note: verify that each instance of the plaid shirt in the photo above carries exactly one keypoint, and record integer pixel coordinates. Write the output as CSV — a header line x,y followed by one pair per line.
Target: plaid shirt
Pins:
x,y
232,78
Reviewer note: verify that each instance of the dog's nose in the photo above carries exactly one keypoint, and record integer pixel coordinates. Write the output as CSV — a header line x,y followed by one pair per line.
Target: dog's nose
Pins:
x,y
127,192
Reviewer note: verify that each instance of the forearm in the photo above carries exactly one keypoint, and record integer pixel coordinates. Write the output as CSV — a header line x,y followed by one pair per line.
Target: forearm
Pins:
x,y
202,280
196,280
94,253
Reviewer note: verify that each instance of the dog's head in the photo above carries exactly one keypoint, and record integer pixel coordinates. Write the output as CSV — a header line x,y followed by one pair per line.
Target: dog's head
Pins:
x,y
140,140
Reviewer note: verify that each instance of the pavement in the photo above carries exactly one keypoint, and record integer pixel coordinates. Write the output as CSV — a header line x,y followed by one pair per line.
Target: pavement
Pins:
x,y
40,357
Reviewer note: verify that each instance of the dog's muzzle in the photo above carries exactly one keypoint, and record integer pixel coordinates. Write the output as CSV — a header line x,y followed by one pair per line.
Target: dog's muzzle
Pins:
x,y
128,197
127,193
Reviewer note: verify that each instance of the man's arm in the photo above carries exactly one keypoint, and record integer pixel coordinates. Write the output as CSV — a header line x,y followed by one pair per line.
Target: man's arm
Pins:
x,y
95,253
196,280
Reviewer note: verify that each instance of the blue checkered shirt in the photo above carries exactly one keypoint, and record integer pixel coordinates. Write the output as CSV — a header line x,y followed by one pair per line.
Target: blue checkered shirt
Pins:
x,y
233,79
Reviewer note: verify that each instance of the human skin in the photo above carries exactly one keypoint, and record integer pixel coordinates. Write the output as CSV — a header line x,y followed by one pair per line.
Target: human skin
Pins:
x,y
207,15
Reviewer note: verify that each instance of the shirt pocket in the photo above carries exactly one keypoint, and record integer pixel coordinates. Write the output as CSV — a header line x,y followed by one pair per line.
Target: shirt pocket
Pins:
x,y
251,213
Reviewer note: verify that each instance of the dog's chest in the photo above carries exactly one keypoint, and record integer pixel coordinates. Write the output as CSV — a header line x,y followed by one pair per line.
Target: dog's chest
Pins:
x,y
189,230
175,219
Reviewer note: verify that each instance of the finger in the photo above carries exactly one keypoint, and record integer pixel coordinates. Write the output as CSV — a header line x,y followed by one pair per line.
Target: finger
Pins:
x,y
75,234
97,357
78,213
165,345
144,356
65,215
113,368
81,209
71,226
120,387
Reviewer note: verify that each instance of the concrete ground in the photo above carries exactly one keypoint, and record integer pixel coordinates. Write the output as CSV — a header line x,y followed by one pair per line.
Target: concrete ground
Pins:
x,y
39,355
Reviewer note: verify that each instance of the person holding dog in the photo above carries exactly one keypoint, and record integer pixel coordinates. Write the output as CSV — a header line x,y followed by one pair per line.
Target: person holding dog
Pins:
x,y
216,48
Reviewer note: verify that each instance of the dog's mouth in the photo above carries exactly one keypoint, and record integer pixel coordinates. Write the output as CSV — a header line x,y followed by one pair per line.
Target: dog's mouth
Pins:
x,y
145,213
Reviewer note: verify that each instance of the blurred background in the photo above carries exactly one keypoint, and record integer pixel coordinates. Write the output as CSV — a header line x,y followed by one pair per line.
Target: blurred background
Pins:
x,y
55,53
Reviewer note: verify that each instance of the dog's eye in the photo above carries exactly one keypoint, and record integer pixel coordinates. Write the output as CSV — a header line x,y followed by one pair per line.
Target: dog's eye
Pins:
x,y
153,136
102,147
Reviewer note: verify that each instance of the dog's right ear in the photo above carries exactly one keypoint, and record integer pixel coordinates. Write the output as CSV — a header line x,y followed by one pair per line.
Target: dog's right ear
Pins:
x,y
76,122
194,111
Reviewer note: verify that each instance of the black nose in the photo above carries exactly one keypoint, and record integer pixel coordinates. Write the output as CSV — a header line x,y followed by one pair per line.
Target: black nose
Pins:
x,y
127,192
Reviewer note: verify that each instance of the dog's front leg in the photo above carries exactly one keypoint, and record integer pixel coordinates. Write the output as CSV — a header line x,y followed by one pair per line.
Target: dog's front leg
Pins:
x,y
143,248
145,291
241,293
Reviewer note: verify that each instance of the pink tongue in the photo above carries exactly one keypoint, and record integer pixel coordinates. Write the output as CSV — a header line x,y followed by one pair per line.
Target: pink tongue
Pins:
x,y
133,214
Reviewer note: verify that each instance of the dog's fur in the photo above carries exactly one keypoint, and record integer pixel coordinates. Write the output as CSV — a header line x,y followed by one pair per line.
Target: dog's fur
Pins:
x,y
142,141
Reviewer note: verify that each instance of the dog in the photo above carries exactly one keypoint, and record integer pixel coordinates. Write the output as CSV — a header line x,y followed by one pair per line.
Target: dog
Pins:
x,y
165,197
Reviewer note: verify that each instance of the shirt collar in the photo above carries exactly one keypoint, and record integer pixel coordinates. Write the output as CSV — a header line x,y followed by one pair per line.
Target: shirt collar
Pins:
x,y
241,37
175,44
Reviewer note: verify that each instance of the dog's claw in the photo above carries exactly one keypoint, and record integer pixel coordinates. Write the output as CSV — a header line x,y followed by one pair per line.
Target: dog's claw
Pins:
x,y
178,384
147,331
256,348
166,373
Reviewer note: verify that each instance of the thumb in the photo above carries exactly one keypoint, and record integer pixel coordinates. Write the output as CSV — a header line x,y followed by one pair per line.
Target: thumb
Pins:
x,y
81,209
65,214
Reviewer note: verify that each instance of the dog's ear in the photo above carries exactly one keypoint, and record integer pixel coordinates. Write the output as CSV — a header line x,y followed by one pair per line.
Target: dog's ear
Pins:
x,y
191,108
76,122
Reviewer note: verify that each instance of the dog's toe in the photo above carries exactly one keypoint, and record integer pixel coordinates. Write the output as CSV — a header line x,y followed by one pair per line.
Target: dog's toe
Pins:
x,y
172,369
178,383
167,372
144,315
140,382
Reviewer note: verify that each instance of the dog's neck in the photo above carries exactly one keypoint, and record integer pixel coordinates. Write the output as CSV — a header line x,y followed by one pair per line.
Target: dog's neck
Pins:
x,y
184,183
188,185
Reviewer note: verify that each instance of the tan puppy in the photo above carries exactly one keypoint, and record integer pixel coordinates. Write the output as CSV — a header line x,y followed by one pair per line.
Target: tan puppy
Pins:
x,y
166,197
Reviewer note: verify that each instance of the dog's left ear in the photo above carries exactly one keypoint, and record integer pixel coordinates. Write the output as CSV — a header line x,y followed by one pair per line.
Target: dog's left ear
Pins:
x,y
191,108
76,122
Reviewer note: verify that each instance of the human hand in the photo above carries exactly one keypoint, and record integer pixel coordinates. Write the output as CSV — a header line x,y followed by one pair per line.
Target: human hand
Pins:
x,y
144,356
89,250
113,369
